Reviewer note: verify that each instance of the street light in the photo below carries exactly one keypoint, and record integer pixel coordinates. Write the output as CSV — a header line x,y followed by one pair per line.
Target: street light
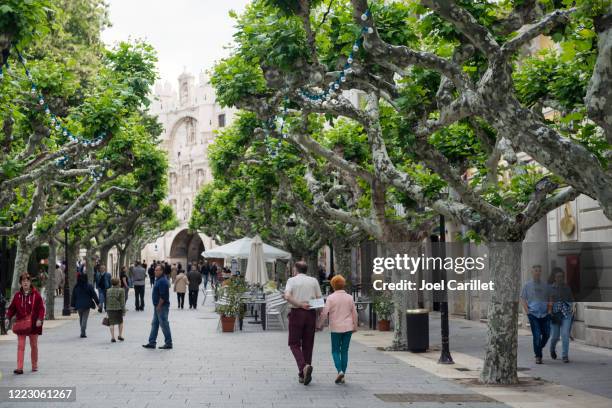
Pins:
x,y
445,356
66,309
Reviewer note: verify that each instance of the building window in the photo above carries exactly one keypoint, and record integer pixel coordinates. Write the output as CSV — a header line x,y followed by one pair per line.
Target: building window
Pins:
x,y
222,120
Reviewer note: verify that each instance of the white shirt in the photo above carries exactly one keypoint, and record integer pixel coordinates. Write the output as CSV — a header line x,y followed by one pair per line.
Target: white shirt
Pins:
x,y
303,288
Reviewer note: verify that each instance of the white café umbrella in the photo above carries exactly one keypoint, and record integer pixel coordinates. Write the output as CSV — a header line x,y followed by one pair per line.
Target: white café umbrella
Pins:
x,y
256,271
241,249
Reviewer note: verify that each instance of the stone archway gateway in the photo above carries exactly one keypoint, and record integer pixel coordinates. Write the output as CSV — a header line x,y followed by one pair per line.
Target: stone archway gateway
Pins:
x,y
186,247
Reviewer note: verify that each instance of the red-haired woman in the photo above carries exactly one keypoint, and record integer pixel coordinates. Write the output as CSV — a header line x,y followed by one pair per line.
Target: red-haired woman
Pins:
x,y
28,308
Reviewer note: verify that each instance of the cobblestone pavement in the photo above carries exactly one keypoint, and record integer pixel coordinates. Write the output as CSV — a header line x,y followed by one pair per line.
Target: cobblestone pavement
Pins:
x,y
589,370
209,369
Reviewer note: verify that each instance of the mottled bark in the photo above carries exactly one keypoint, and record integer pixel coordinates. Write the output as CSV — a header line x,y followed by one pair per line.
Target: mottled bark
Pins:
x,y
104,255
500,361
312,260
599,92
22,256
342,258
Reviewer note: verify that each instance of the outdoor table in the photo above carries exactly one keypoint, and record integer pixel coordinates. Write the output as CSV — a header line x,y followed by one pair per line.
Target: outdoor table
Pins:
x,y
262,305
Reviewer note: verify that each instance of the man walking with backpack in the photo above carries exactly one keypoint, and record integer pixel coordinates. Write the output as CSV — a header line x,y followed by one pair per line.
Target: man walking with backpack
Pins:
x,y
103,283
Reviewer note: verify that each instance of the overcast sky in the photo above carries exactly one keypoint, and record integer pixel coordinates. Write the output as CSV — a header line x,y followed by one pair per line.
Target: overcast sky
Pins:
x,y
187,34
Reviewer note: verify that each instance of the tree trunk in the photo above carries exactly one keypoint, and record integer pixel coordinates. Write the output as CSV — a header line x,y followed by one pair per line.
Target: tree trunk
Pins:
x,y
121,260
50,300
502,329
104,256
342,259
89,262
401,299
313,263
21,263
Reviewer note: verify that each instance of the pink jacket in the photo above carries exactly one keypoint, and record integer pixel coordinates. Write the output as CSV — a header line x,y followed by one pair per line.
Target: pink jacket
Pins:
x,y
341,311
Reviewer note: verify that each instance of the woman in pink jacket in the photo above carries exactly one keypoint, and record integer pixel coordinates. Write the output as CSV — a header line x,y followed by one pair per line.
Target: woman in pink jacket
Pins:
x,y
342,314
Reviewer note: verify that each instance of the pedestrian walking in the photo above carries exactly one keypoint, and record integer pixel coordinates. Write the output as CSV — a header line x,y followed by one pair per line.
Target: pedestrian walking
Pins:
x,y
300,289
195,278
342,314
205,269
103,282
28,309
83,299
534,298
59,280
173,272
161,303
123,278
180,287
139,276
151,273
562,315
167,270
115,308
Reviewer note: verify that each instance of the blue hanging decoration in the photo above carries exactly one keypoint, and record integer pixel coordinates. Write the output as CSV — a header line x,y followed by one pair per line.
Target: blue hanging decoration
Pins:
x,y
334,86
54,121
328,94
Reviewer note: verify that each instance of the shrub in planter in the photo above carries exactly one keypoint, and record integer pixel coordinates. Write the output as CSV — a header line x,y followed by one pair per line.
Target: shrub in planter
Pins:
x,y
230,294
383,307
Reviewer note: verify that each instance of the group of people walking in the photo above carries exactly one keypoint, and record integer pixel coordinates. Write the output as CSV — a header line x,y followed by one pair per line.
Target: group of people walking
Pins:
x,y
550,308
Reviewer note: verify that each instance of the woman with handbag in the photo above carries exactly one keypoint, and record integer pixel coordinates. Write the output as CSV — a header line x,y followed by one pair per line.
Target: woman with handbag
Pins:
x,y
29,311
83,298
115,308
180,287
562,314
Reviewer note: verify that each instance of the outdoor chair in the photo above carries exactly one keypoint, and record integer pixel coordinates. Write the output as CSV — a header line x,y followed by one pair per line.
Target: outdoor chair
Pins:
x,y
276,307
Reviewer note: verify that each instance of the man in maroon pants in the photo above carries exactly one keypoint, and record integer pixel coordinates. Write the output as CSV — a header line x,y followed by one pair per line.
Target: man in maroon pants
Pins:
x,y
302,320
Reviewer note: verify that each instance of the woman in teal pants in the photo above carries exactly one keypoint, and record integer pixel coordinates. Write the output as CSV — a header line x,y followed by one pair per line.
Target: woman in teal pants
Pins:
x,y
342,314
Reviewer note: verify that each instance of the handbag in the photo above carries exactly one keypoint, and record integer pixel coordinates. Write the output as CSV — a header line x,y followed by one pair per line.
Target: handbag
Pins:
x,y
557,317
105,322
23,327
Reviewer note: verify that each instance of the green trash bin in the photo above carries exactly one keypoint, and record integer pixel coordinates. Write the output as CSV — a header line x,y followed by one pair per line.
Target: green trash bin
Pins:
x,y
417,327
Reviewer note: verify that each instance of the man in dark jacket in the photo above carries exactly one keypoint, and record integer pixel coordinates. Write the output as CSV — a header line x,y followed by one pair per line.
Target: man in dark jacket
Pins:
x,y
195,278
83,298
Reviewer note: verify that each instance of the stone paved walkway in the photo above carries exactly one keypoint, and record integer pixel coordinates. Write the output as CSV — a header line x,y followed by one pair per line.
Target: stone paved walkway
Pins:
x,y
209,369
589,370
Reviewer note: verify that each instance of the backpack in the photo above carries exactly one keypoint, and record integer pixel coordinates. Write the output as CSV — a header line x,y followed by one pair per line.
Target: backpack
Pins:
x,y
104,281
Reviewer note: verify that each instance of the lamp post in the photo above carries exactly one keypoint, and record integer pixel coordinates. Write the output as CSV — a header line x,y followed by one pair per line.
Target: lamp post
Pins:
x,y
445,356
66,309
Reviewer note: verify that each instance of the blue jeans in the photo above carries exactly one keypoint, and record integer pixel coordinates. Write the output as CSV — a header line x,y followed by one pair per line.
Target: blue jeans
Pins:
x,y
102,298
564,330
205,280
160,319
540,329
340,345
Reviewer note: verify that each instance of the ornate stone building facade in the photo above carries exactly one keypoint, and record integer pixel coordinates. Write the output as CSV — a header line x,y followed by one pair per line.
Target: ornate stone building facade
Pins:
x,y
190,118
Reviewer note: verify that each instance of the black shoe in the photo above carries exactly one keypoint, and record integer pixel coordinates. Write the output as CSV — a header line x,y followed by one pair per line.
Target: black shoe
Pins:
x,y
307,374
149,346
113,341
538,360
83,336
301,379
553,354
120,338
17,371
165,347
565,359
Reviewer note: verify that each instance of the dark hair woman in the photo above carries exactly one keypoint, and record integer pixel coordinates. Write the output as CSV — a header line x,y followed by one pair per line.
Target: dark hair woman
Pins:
x,y
83,298
29,311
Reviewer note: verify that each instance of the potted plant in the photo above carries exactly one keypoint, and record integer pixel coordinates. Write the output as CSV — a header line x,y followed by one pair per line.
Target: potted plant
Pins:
x,y
231,306
383,307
